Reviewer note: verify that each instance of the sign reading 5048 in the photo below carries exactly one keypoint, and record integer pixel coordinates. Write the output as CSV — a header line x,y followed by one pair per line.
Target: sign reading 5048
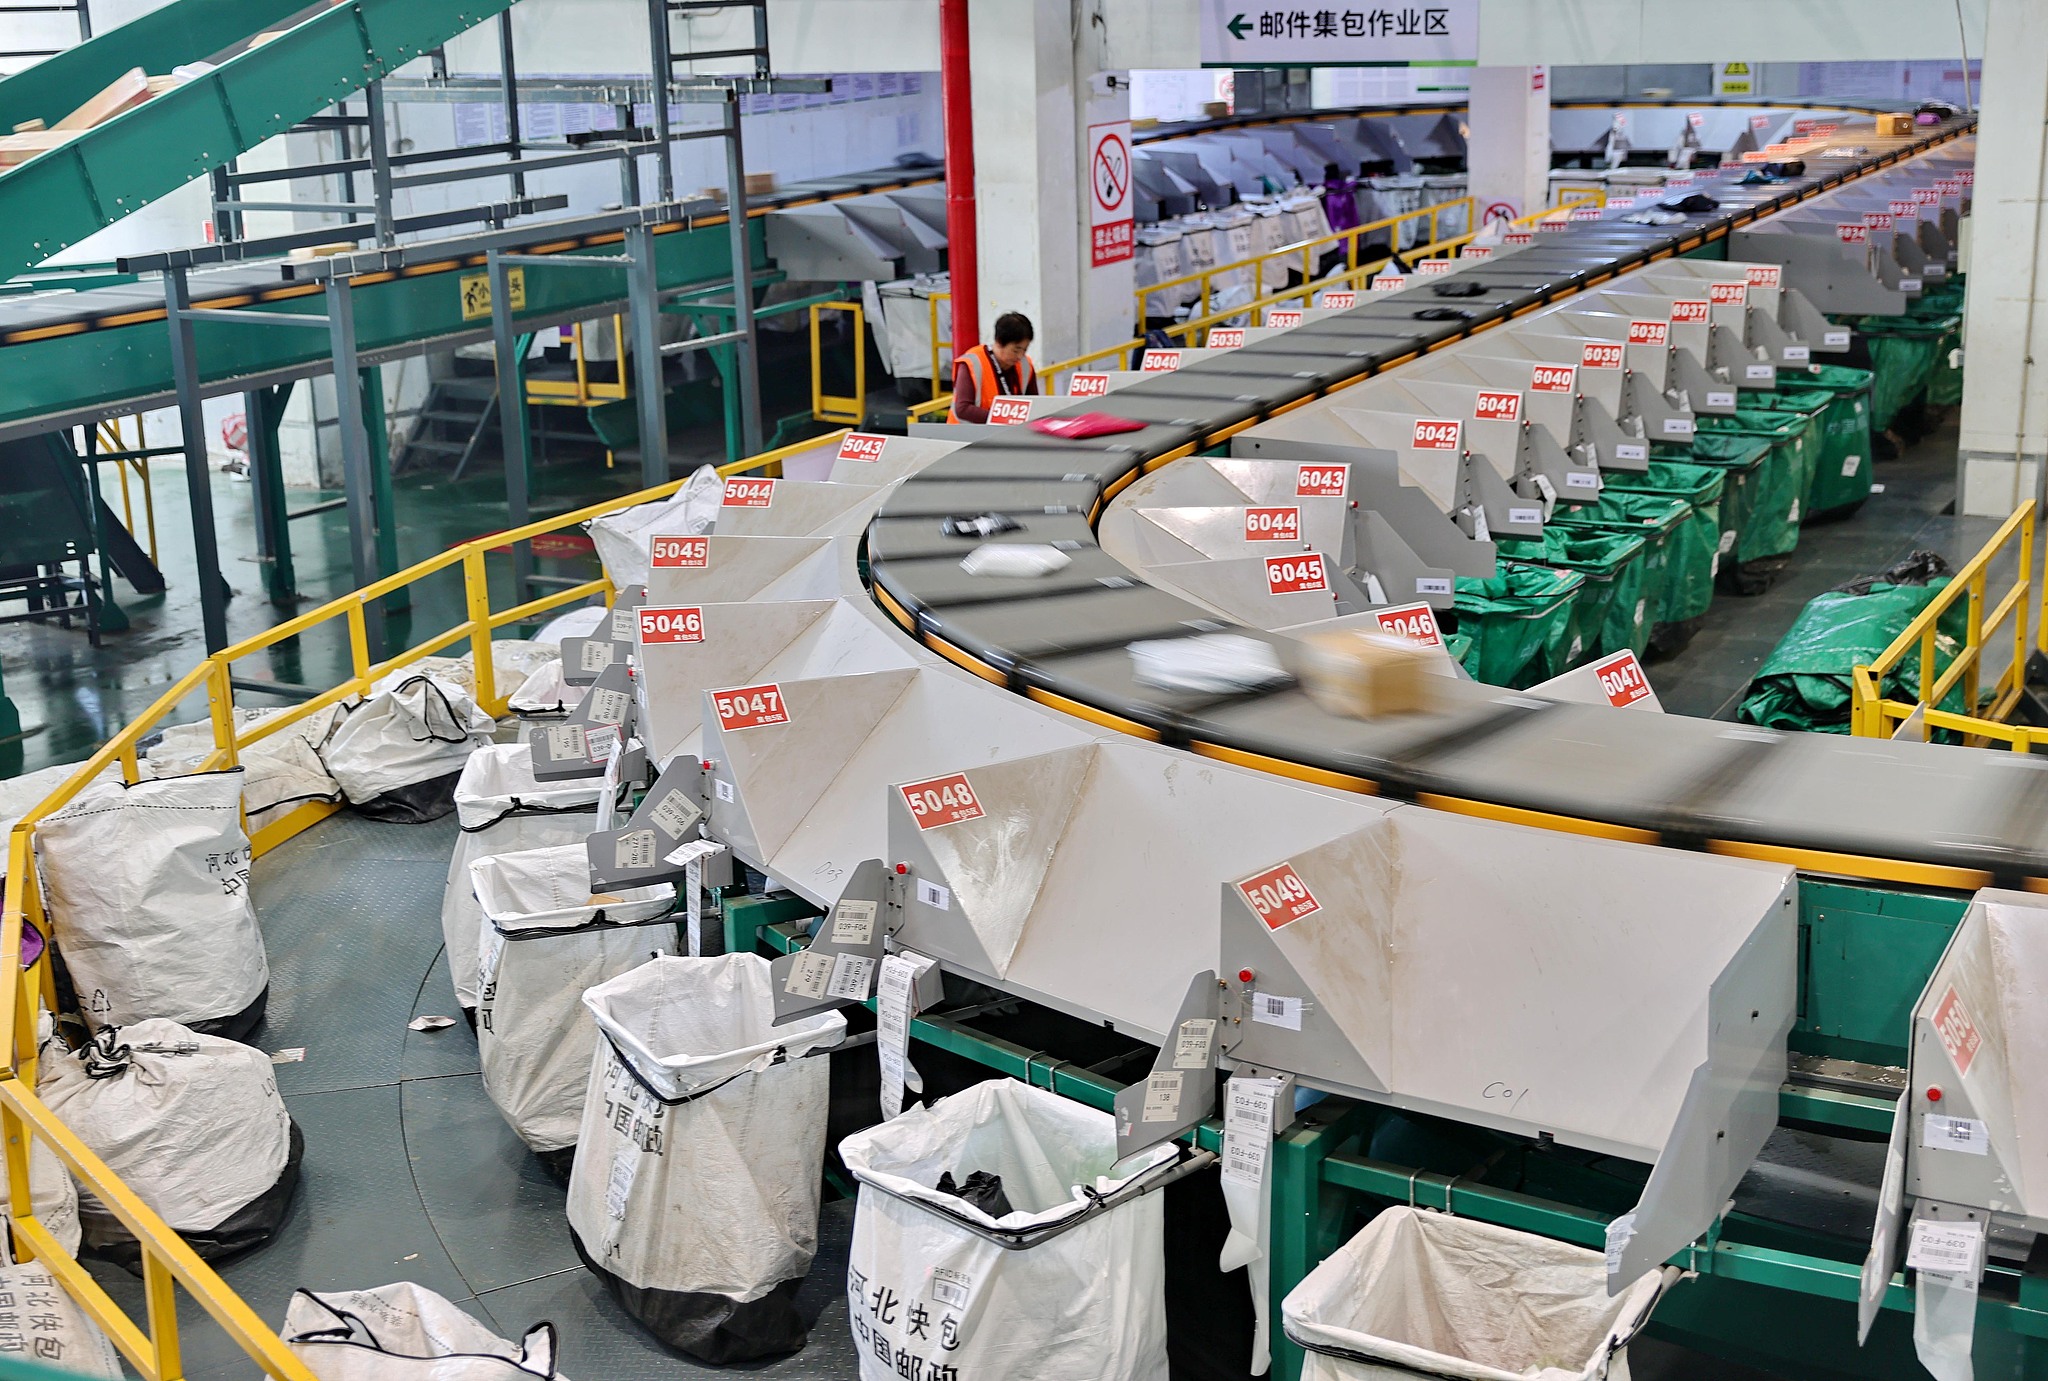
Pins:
x,y
750,707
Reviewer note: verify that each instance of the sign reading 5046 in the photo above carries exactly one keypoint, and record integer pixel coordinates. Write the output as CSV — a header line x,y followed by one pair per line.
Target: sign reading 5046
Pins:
x,y
675,624
750,707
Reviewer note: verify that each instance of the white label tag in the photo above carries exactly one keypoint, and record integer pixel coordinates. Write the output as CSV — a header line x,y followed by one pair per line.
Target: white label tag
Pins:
x,y
952,1288
1850,465
1191,1045
634,850
1678,426
933,895
1727,542
487,951
1909,285
853,923
1432,585
1835,339
1248,1105
1720,398
1162,1096
618,1185
608,706
676,813
596,655
1950,1248
1939,1133
895,1004
1758,371
1525,517
1582,479
565,741
1271,1009
598,742
1798,354
608,794
850,975
810,976
625,625
693,908
723,790
1620,1233
1629,450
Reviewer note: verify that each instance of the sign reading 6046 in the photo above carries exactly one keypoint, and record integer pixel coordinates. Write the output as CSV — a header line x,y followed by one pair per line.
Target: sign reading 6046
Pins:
x,y
750,707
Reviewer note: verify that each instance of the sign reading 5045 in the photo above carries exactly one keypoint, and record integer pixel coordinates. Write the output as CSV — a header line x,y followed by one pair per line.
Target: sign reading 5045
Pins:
x,y
750,707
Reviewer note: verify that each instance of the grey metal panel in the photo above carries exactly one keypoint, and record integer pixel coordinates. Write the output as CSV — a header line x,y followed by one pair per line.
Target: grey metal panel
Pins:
x,y
909,539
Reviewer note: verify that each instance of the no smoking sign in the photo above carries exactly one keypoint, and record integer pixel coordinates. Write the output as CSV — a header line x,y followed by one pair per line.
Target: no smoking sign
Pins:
x,y
1112,234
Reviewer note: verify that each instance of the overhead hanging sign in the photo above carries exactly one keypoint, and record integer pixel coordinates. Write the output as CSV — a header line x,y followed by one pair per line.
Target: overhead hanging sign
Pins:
x,y
1112,236
1248,33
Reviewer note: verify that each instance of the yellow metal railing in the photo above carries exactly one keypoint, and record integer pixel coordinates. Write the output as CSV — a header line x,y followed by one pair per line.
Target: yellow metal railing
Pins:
x,y
152,1346
113,438
1874,715
1190,332
850,410
582,391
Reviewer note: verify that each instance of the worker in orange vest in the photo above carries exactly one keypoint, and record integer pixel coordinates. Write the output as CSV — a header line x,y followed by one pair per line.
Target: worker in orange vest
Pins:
x,y
992,371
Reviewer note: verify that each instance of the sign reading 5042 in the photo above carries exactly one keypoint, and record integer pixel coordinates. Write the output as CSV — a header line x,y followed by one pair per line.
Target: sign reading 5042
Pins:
x,y
750,707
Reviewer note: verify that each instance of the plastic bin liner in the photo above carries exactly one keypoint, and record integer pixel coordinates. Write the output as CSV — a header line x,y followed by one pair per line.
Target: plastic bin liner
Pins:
x,y
702,1150
1418,1293
279,771
928,1277
1160,256
1436,191
1612,611
397,754
503,809
1840,481
192,1123
1777,500
1808,681
544,939
405,1332
1270,227
1904,352
148,894
1518,620
621,538
546,693
1692,549
47,1327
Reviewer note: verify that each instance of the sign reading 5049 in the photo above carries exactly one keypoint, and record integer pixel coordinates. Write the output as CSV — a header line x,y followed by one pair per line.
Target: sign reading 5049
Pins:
x,y
1278,896
750,707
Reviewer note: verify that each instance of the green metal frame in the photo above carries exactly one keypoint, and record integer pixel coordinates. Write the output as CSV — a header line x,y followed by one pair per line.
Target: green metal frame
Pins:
x,y
1755,1292
52,202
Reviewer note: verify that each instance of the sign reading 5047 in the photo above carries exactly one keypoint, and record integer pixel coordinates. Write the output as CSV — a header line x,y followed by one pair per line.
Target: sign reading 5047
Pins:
x,y
750,707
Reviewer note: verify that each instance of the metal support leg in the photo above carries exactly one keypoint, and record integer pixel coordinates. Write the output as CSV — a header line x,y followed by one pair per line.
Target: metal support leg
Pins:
x,y
508,94
644,299
111,617
663,63
737,223
263,409
380,163
512,420
357,478
213,587
379,434
227,222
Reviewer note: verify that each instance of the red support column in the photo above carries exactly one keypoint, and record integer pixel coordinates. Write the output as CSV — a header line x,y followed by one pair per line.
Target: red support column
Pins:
x,y
961,241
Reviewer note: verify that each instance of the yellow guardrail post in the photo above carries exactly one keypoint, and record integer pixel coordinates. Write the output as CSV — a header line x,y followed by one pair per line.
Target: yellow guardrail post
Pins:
x,y
476,594
828,407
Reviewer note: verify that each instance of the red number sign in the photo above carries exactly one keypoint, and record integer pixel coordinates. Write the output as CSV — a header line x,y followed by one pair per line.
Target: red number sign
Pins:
x,y
1435,434
1283,316
1338,298
679,624
1009,412
1649,332
941,801
1690,312
861,446
1853,234
1621,678
750,707
1601,354
1958,1033
1728,294
1412,621
1296,575
1320,481
1226,337
1272,525
1087,385
1161,361
1552,378
748,493
668,553
1763,275
1493,406
1278,896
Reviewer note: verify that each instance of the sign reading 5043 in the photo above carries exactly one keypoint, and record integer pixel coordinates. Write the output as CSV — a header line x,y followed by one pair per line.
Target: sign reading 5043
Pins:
x,y
750,707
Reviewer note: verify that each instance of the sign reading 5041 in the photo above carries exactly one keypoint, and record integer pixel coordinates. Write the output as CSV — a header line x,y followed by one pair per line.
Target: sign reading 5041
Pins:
x,y
750,707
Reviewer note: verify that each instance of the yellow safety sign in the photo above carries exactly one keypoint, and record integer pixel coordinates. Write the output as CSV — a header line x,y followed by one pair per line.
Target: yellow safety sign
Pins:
x,y
476,293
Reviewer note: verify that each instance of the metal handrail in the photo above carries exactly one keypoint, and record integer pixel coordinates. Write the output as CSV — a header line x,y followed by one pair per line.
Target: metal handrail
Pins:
x,y
850,409
1873,715
153,1348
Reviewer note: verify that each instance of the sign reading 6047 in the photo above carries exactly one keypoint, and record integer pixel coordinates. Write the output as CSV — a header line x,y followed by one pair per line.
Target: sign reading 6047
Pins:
x,y
750,707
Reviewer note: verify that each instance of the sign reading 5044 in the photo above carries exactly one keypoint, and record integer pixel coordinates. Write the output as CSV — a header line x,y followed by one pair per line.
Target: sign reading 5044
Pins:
x,y
750,707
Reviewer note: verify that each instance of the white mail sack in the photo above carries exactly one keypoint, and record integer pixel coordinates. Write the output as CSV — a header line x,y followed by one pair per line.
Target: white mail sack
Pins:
x,y
546,692
405,1332
1420,1293
698,1165
193,1124
279,771
621,538
543,940
926,1276
148,894
503,809
40,1323
410,735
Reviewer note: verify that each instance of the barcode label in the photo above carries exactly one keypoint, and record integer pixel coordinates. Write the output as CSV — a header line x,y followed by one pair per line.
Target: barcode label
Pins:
x,y
1939,1133
1162,1096
1271,1009
634,850
810,976
850,976
853,923
1191,1045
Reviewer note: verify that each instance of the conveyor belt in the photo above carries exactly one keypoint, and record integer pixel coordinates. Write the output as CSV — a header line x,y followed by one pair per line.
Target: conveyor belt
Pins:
x,y
1886,811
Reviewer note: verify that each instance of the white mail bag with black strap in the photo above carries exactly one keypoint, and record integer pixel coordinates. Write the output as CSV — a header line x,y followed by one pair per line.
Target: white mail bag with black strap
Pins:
x,y
397,754
1418,1293
503,809
544,939
698,1166
193,1124
997,1234
405,1332
147,888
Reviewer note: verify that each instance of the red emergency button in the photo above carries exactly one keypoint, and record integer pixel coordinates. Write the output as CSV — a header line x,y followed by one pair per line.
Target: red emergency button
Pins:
x,y
1934,1093
1245,975
902,868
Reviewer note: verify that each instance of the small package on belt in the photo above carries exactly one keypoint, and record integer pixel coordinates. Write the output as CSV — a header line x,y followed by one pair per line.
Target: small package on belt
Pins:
x,y
1363,675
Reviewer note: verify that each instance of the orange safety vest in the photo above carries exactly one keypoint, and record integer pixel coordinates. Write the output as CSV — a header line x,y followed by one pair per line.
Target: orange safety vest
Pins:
x,y
988,380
